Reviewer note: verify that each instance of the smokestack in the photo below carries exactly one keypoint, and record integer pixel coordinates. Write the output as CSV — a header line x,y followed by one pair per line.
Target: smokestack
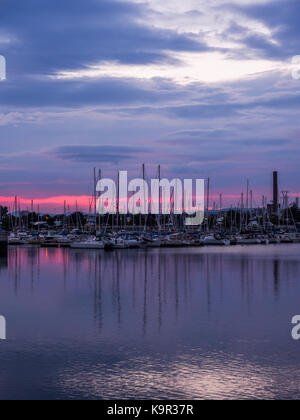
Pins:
x,y
275,192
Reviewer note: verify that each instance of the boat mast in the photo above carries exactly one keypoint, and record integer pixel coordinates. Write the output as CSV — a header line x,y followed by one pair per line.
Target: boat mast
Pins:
x,y
65,214
31,225
146,199
207,203
247,203
95,199
143,171
38,218
159,197
16,211
99,179
242,212
221,213
118,201
20,217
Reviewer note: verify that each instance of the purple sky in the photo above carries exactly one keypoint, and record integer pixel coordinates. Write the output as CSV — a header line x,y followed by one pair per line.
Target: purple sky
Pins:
x,y
202,88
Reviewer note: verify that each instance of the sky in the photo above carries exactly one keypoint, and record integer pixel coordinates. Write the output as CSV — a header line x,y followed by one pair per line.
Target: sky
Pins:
x,y
205,89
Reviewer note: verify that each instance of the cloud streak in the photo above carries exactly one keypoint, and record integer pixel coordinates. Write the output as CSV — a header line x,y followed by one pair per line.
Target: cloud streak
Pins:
x,y
98,154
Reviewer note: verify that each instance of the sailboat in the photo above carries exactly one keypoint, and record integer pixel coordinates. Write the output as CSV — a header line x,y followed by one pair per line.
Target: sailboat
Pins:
x,y
212,240
91,243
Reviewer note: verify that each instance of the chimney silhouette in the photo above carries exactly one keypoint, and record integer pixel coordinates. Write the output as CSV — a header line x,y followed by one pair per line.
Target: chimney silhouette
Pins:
x,y
275,192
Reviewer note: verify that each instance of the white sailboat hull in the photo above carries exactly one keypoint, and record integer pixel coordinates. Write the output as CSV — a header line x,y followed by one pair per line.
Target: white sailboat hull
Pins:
x,y
86,245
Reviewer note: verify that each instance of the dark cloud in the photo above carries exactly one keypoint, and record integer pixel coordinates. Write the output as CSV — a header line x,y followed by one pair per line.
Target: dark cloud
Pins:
x,y
261,142
44,92
230,138
232,109
52,35
97,154
213,133
282,18
148,97
204,111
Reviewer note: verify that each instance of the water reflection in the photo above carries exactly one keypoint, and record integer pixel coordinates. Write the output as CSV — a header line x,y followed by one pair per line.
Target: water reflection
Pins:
x,y
157,285
198,323
3,258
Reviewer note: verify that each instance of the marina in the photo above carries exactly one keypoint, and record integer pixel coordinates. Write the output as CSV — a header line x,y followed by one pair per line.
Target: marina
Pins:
x,y
273,222
125,240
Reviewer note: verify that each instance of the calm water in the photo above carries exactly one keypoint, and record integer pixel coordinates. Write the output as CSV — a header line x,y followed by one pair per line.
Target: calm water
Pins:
x,y
191,323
